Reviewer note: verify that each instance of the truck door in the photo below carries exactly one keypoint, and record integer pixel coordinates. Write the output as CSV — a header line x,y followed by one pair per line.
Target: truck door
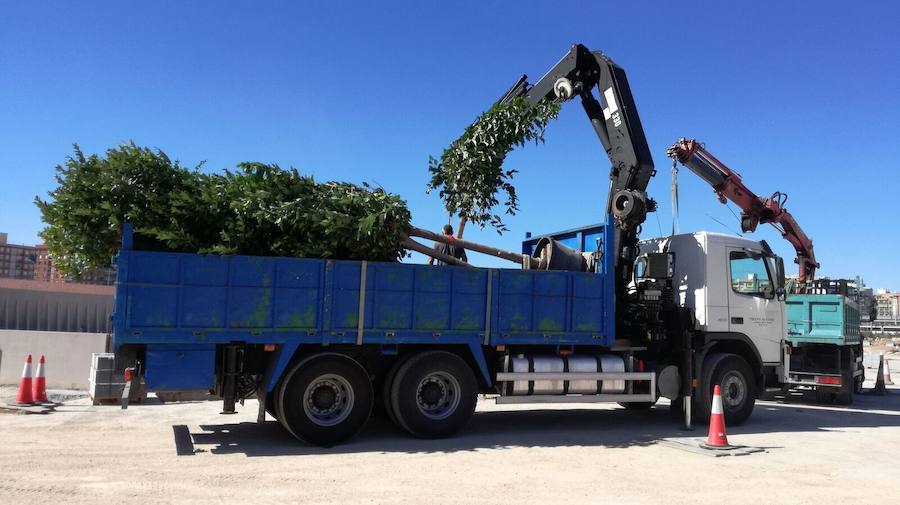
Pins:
x,y
754,309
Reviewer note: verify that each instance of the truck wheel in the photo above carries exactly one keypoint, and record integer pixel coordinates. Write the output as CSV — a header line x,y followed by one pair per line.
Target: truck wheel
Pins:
x,y
844,396
825,396
279,415
270,405
433,394
325,399
386,391
737,385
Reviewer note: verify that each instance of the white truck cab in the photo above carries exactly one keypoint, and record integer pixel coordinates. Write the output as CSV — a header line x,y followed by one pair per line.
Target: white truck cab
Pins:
x,y
732,286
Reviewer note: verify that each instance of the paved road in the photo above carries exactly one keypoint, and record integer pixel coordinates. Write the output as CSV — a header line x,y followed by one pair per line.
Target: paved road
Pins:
x,y
589,454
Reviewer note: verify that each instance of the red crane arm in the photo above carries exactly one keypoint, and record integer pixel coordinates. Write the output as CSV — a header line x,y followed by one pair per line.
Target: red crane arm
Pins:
x,y
754,209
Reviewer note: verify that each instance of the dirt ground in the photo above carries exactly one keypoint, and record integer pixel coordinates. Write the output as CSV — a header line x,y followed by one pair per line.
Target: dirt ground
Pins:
x,y
188,453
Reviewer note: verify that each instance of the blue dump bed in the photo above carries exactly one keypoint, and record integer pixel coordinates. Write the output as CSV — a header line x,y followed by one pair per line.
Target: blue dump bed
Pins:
x,y
181,305
822,319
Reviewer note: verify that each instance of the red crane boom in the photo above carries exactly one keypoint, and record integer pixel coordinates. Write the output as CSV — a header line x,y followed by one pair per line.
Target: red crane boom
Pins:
x,y
754,209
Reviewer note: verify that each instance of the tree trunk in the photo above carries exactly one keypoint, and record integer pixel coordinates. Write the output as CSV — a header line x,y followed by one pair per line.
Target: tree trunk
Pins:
x,y
473,246
461,227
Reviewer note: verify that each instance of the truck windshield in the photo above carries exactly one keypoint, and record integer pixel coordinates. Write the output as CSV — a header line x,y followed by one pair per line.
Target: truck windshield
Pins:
x,y
749,274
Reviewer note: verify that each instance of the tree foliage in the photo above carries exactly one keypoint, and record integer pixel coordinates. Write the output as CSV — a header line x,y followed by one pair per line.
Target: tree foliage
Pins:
x,y
257,209
96,195
470,173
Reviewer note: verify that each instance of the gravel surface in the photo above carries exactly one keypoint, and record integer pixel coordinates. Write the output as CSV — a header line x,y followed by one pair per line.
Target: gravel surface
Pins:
x,y
188,453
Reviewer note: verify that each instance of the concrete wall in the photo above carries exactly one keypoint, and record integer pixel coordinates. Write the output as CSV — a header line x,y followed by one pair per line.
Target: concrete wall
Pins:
x,y
68,355
49,306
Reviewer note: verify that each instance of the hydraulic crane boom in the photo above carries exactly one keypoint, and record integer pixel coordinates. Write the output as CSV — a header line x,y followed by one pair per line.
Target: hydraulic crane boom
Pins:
x,y
754,209
616,122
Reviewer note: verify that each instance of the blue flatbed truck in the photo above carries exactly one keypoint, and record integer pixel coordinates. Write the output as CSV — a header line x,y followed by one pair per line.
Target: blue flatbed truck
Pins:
x,y
320,341
594,315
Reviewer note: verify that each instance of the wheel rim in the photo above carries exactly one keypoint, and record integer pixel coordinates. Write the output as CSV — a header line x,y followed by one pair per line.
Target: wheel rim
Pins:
x,y
734,389
328,400
437,395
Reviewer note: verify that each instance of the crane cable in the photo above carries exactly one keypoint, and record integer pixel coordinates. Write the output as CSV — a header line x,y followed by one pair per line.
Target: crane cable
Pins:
x,y
675,230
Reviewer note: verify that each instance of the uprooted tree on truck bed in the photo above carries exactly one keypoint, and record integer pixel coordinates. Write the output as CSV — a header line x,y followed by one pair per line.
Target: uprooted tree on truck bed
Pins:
x,y
258,209
262,209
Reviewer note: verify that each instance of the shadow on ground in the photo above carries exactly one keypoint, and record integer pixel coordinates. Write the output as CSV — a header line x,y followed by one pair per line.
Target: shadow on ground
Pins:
x,y
613,428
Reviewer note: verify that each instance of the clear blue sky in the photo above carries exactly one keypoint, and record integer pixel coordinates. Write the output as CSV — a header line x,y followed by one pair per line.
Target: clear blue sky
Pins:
x,y
802,97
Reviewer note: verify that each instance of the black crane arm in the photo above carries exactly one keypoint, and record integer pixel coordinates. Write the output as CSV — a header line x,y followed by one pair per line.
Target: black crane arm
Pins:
x,y
615,120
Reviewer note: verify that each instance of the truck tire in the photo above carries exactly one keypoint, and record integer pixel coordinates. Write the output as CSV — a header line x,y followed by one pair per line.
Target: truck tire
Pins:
x,y
824,395
737,383
844,395
270,405
386,389
276,402
325,399
433,394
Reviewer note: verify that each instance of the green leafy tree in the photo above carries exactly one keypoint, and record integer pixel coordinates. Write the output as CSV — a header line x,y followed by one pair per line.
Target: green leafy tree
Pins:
x,y
258,209
96,195
266,210
470,176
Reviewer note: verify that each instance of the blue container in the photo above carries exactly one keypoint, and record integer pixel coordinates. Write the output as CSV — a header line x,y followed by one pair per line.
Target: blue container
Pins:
x,y
822,319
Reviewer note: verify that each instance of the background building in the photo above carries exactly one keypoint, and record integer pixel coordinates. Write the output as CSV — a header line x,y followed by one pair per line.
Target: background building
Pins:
x,y
887,305
866,304
16,261
35,263
43,268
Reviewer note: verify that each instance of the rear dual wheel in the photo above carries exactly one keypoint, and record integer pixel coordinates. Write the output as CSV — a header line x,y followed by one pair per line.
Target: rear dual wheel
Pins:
x,y
324,399
431,394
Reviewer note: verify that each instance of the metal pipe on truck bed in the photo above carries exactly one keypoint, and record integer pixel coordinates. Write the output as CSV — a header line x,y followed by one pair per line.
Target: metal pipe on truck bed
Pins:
x,y
411,244
519,258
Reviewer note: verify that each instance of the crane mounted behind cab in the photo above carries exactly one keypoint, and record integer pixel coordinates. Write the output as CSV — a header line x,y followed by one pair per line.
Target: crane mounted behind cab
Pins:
x,y
618,126
754,209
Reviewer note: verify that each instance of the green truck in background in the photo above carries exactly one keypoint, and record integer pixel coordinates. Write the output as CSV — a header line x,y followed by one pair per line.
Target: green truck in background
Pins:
x,y
823,346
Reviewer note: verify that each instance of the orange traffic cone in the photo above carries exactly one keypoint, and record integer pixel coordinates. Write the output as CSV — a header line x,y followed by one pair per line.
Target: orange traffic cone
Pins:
x,y
24,397
887,372
717,438
39,394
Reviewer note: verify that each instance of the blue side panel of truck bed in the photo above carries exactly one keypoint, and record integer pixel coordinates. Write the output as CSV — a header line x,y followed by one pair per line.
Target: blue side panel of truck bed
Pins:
x,y
588,238
172,301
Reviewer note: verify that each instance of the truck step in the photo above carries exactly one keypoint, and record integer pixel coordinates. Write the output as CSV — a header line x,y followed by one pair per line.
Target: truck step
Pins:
x,y
578,376
570,376
602,398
